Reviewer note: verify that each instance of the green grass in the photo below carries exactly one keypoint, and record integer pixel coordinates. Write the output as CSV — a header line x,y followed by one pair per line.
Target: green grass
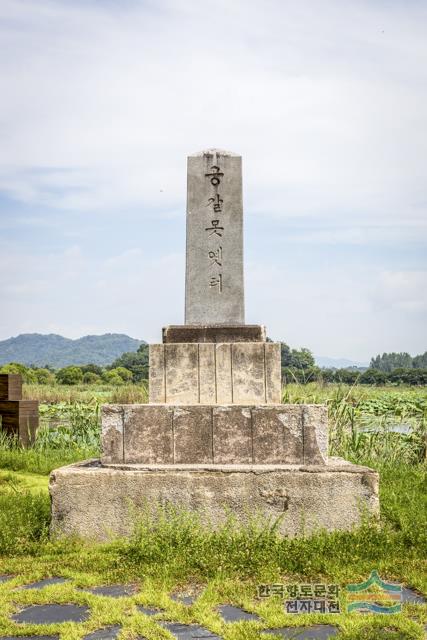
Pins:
x,y
85,393
173,551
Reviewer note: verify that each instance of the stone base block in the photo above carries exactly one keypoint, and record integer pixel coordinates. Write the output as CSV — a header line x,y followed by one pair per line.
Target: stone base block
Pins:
x,y
97,501
228,434
214,333
222,373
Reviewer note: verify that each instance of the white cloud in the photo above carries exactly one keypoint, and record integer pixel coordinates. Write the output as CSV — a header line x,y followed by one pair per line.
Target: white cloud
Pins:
x,y
401,291
104,103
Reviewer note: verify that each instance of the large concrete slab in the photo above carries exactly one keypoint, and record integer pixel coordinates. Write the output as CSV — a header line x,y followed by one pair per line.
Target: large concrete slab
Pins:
x,y
214,287
94,501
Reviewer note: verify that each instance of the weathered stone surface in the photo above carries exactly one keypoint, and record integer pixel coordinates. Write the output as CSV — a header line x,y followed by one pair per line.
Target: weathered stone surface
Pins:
x,y
192,429
315,421
273,373
278,434
227,434
220,373
214,288
93,501
232,435
112,421
157,373
207,374
214,333
223,372
182,373
148,434
248,371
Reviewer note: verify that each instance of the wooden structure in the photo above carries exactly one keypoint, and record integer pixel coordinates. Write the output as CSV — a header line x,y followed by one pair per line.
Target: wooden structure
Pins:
x,y
19,417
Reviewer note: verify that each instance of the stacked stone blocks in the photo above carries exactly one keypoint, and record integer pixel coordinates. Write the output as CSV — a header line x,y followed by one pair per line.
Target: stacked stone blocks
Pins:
x,y
215,373
203,434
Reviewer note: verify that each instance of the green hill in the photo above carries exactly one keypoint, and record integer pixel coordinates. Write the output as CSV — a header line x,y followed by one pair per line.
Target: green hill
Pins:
x,y
57,351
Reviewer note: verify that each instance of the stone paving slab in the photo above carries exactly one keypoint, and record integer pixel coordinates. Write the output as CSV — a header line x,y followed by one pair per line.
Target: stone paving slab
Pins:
x,y
114,590
316,632
52,613
108,633
188,631
148,611
46,582
412,597
230,613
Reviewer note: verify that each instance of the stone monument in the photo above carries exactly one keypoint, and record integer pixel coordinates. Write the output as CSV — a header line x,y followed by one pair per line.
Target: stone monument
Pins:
x,y
214,437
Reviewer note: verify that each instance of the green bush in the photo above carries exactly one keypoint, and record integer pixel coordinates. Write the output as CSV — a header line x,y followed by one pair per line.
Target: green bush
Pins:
x,y
91,378
70,375
119,375
44,376
28,374
137,363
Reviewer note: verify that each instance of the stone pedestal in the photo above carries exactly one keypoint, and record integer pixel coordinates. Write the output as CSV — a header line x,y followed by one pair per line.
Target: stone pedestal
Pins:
x,y
209,434
214,438
98,502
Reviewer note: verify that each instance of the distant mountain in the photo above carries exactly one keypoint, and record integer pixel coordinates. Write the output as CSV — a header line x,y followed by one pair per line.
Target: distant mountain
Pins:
x,y
57,351
339,363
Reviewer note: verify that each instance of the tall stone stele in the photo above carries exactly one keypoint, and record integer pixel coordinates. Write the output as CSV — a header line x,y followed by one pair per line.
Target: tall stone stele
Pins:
x,y
214,436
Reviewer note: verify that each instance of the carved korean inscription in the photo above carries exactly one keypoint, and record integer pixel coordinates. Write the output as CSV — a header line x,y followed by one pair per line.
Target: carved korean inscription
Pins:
x,y
214,260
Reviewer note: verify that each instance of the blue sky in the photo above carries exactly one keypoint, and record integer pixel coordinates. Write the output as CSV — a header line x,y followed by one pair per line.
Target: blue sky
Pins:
x,y
326,103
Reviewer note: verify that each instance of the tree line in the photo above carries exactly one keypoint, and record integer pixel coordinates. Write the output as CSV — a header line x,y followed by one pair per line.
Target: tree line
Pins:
x,y
298,365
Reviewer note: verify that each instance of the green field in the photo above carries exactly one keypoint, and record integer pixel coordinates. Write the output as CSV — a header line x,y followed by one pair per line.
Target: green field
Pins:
x,y
170,552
